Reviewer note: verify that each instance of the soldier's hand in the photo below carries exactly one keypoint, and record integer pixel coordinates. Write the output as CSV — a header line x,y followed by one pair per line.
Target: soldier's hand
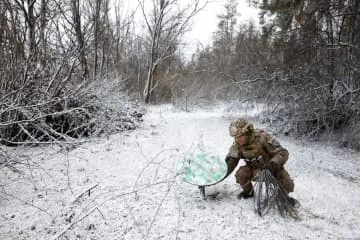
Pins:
x,y
231,162
272,166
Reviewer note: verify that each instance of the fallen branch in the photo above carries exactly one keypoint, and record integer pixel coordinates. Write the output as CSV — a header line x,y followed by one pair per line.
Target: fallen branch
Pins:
x,y
150,162
7,161
29,204
158,210
87,191
73,223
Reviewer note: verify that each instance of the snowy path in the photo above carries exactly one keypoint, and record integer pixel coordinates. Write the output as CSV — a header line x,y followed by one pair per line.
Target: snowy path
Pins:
x,y
136,194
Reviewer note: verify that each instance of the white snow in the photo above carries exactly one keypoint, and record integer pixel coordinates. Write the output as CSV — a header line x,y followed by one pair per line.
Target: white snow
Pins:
x,y
136,194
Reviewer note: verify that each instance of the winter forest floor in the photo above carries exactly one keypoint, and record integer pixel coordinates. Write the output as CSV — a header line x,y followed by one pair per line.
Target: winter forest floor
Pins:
x,y
125,187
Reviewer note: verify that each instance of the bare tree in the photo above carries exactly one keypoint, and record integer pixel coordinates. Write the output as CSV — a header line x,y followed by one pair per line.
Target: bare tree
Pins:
x,y
165,25
28,10
224,36
51,101
76,20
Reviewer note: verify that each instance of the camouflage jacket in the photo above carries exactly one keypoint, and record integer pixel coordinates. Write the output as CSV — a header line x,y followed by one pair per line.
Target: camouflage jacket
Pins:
x,y
262,148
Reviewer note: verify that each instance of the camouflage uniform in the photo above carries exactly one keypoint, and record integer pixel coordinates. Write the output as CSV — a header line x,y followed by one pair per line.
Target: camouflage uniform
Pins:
x,y
259,151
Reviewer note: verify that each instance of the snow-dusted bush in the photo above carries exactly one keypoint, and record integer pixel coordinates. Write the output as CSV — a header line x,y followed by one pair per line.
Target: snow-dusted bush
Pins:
x,y
117,111
51,106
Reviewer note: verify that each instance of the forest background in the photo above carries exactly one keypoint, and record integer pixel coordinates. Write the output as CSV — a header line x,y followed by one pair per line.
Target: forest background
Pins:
x,y
74,68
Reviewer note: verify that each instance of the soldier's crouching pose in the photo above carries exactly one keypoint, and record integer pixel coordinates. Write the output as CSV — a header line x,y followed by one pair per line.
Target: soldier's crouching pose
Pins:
x,y
259,150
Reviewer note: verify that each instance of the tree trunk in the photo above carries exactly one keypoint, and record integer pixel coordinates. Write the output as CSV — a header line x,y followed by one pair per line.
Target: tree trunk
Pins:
x,y
43,22
75,5
96,36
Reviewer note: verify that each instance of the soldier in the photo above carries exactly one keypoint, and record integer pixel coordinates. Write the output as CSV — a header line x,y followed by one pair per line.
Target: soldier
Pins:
x,y
259,150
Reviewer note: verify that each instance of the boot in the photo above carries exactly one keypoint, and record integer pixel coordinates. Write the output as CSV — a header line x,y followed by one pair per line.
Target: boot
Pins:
x,y
245,194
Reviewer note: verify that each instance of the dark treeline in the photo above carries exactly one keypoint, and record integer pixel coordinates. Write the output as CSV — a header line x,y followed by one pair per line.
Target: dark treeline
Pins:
x,y
59,60
303,64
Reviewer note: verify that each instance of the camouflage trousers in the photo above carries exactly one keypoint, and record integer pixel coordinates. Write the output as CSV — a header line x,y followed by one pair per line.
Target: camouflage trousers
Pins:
x,y
245,174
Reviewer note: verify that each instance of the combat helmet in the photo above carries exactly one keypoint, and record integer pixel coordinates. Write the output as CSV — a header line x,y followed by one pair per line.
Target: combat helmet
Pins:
x,y
240,126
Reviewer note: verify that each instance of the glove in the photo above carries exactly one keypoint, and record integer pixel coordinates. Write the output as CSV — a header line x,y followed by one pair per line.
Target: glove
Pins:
x,y
231,163
272,166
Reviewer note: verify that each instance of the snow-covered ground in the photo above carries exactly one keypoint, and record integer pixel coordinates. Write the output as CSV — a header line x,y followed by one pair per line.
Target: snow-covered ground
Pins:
x,y
125,187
